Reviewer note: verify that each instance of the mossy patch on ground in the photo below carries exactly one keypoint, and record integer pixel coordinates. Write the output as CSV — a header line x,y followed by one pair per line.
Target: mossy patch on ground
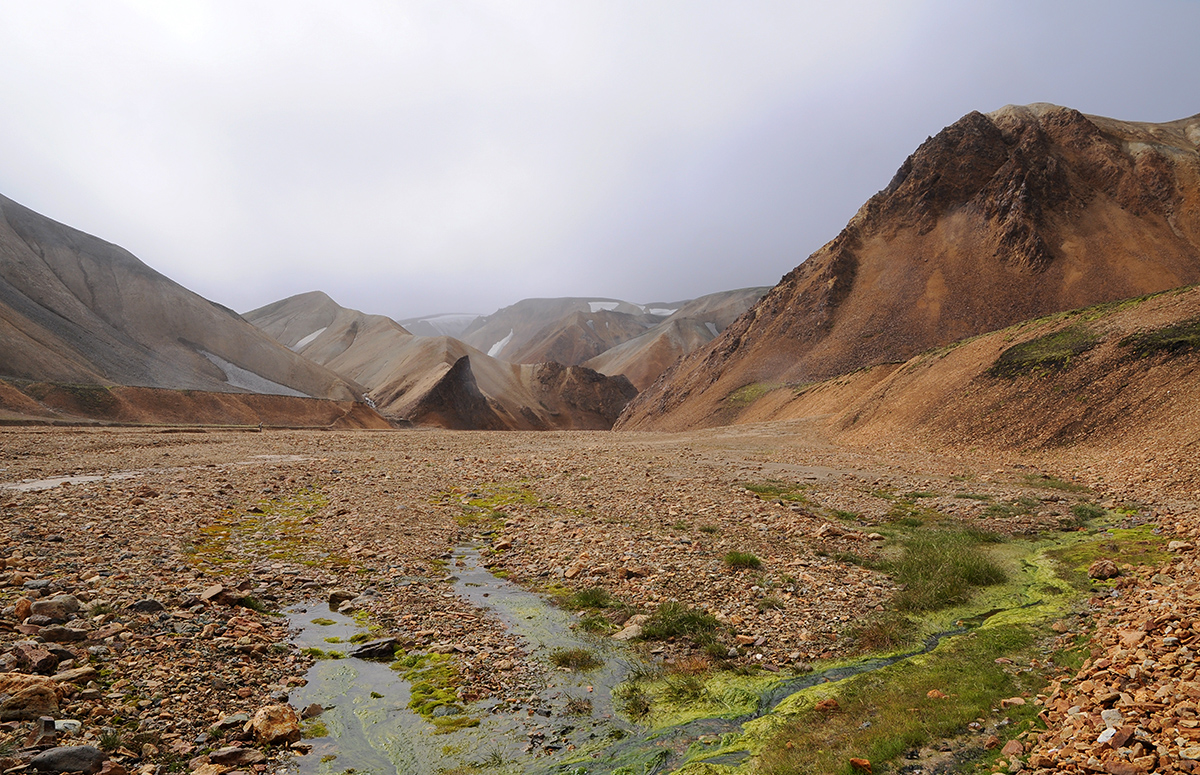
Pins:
x,y
1047,353
748,394
1170,340
878,716
1124,546
434,691
281,528
777,490
484,507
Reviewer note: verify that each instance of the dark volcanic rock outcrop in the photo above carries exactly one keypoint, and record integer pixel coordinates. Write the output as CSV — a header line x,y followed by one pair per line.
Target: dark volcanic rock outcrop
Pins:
x,y
997,219
455,402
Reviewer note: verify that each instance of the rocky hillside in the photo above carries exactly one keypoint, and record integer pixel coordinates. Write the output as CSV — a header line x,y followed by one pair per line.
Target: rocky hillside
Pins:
x,y
998,218
694,324
613,337
76,309
440,380
1110,392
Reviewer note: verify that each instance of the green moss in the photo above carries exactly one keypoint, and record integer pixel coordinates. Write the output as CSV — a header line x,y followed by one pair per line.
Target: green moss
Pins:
x,y
880,715
323,622
1134,546
317,653
748,394
447,724
778,490
484,507
1170,340
277,529
313,727
1050,352
435,681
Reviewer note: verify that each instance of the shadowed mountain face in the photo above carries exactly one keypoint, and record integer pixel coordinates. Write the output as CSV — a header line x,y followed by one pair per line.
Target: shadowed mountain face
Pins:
x,y
77,309
439,380
997,219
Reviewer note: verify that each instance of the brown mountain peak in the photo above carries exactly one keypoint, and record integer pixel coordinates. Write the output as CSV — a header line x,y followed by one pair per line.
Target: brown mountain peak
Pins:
x,y
998,218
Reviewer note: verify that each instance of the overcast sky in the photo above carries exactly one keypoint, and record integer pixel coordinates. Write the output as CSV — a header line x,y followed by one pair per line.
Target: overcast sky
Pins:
x,y
413,157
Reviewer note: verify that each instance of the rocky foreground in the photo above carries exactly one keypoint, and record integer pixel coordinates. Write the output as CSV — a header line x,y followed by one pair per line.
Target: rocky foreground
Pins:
x,y
138,624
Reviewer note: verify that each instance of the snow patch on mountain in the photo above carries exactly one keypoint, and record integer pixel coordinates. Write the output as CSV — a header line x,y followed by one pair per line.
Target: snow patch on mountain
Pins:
x,y
494,350
308,339
238,377
661,311
712,327
608,306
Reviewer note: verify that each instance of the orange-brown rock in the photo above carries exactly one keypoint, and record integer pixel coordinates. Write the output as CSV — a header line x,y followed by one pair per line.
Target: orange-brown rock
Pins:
x,y
999,218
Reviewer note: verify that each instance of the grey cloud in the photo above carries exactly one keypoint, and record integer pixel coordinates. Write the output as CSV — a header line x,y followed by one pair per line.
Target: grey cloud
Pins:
x,y
416,157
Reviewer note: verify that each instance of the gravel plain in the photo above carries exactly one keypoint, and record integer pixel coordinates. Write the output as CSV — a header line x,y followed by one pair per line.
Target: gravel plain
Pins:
x,y
150,522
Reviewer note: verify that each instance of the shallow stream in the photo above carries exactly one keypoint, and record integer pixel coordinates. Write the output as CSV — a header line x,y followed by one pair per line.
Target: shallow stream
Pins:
x,y
371,730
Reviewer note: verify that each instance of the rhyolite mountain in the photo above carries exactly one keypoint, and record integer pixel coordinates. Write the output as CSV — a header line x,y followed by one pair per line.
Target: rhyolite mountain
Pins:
x,y
76,309
525,332
692,325
439,380
999,218
608,335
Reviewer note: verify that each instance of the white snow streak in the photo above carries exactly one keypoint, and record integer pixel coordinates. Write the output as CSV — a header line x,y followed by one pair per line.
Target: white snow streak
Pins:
x,y
309,338
238,377
494,350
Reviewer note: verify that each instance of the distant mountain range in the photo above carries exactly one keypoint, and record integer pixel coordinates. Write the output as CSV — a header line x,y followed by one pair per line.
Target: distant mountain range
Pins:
x,y
998,219
440,380
75,310
533,375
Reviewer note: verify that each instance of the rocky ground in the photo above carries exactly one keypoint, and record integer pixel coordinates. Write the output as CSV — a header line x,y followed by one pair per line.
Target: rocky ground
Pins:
x,y
136,600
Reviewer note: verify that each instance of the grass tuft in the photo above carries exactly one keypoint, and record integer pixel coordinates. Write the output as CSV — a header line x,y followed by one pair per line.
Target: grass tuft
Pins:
x,y
941,569
632,700
592,597
676,620
575,659
885,633
742,560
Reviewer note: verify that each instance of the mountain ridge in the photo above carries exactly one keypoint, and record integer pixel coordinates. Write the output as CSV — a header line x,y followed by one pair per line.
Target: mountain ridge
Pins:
x,y
997,218
75,308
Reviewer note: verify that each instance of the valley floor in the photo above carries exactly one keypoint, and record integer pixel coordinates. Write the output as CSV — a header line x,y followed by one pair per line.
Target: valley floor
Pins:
x,y
278,518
